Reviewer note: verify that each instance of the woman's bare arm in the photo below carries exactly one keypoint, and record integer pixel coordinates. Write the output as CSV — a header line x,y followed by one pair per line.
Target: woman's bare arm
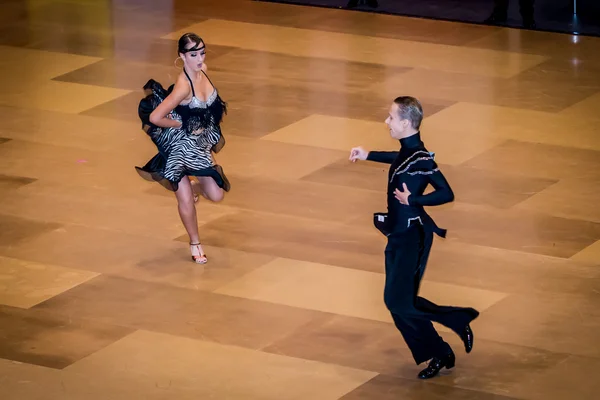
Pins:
x,y
179,93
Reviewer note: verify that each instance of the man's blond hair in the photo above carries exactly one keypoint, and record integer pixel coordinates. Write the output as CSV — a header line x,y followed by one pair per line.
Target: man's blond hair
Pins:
x,y
410,108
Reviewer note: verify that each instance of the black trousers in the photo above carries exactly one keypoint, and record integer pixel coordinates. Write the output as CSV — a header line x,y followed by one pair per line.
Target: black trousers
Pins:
x,y
525,7
406,256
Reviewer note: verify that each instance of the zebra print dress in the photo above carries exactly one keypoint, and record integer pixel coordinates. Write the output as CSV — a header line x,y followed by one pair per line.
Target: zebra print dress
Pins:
x,y
184,151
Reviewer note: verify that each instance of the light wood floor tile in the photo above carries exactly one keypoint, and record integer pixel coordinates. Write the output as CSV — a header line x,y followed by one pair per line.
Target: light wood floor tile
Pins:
x,y
232,372
493,125
129,368
575,198
62,96
287,282
25,284
24,64
590,254
335,133
585,109
545,321
253,158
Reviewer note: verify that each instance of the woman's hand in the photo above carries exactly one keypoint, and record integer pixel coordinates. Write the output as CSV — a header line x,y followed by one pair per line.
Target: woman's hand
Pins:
x,y
172,118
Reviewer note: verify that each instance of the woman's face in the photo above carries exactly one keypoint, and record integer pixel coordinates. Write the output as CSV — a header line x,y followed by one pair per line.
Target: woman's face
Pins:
x,y
194,56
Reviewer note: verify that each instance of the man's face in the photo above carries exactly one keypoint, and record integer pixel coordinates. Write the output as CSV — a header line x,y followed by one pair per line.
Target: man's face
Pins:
x,y
396,125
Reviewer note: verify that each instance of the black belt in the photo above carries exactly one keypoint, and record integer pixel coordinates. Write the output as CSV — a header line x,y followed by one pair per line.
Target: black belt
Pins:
x,y
384,225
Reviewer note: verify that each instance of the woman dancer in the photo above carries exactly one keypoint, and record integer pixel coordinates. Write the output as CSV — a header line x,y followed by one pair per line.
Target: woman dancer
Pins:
x,y
184,124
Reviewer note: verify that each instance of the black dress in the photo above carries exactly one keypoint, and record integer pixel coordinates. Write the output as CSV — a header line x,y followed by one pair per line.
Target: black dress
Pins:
x,y
184,151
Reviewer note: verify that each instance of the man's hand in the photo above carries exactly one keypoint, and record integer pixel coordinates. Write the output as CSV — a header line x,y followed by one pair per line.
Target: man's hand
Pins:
x,y
358,153
402,196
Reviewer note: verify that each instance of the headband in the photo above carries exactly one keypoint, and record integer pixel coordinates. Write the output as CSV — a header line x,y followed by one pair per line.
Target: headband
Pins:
x,y
195,48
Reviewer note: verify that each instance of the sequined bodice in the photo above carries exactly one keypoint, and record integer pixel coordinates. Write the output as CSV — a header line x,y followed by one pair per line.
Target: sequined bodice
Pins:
x,y
197,103
197,114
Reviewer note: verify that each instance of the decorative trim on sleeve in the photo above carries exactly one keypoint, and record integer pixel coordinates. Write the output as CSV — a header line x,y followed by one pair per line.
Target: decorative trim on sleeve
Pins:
x,y
422,158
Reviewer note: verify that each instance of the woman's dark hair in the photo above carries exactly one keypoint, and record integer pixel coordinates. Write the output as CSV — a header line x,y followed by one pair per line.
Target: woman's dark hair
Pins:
x,y
187,39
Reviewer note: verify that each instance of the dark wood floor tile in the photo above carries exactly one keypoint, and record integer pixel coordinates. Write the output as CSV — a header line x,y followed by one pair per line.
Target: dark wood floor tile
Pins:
x,y
123,108
303,199
303,73
121,74
514,230
550,86
567,379
366,175
318,99
14,182
470,185
492,367
539,160
385,387
551,321
16,230
508,271
17,34
143,258
182,312
554,45
163,52
12,11
537,89
493,188
49,340
567,72
256,121
353,342
298,238
73,41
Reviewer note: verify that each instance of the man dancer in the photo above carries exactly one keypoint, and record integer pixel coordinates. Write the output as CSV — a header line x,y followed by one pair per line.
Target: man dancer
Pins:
x,y
410,235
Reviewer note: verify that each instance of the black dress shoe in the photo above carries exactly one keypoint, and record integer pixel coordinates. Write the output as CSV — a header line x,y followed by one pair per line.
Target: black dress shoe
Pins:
x,y
495,19
467,338
436,364
529,23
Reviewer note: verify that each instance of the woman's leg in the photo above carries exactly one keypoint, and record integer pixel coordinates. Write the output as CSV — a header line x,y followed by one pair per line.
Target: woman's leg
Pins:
x,y
208,188
187,209
196,189
187,212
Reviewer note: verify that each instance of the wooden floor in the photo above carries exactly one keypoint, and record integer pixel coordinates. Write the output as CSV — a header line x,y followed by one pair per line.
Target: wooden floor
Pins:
x,y
100,300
